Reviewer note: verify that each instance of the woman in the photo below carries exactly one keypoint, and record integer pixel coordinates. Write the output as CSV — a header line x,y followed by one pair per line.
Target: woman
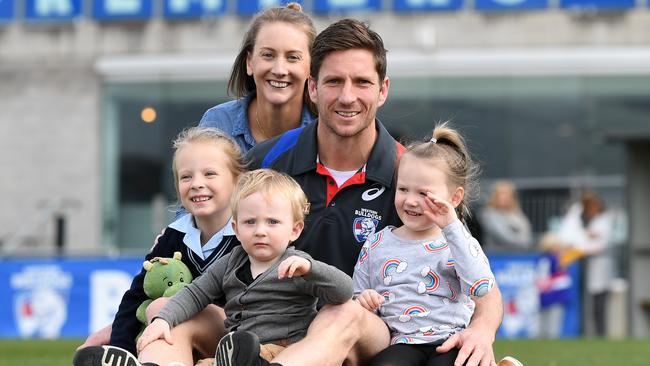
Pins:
x,y
505,227
269,79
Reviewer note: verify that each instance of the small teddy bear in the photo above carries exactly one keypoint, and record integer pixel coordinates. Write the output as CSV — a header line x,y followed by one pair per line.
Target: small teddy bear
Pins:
x,y
164,278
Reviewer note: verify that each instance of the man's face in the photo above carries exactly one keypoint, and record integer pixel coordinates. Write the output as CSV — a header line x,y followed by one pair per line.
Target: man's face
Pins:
x,y
348,92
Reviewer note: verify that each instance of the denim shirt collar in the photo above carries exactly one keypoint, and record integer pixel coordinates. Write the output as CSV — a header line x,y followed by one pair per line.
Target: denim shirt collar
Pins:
x,y
242,124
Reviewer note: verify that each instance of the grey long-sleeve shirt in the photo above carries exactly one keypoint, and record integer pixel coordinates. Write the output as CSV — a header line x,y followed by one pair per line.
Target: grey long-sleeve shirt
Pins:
x,y
276,310
426,283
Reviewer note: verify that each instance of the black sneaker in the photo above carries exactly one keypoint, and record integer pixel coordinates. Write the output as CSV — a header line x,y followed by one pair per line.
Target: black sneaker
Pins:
x,y
104,356
239,348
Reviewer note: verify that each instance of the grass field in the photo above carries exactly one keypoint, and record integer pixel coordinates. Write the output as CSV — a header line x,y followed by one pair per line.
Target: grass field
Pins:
x,y
580,352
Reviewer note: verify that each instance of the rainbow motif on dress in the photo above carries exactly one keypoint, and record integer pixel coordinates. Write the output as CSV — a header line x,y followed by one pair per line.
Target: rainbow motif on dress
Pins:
x,y
433,247
363,255
415,311
431,282
376,239
427,331
450,262
454,293
391,264
480,287
386,295
401,340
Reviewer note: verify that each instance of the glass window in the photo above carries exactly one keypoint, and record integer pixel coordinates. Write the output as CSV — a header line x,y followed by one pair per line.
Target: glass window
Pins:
x,y
548,134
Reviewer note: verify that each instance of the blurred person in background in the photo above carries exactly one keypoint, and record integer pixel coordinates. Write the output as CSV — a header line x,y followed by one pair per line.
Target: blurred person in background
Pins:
x,y
504,225
269,79
587,229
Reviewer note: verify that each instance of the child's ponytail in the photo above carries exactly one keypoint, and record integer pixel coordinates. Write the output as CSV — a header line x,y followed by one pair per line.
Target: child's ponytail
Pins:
x,y
448,145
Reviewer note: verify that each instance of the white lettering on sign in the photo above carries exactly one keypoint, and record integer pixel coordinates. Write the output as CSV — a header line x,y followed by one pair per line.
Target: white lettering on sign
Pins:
x,y
122,6
106,290
181,6
347,3
53,7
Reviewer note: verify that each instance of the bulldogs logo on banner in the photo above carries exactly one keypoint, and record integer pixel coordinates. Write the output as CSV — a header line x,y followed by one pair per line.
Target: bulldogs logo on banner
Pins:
x,y
41,300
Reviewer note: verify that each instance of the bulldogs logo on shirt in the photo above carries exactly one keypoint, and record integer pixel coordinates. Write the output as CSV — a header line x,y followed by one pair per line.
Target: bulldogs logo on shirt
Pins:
x,y
363,227
365,224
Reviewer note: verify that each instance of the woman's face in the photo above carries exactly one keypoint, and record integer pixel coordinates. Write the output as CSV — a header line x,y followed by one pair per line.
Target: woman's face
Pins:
x,y
504,197
279,63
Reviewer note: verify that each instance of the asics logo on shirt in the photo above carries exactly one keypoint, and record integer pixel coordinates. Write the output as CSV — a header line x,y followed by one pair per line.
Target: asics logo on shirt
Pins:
x,y
372,193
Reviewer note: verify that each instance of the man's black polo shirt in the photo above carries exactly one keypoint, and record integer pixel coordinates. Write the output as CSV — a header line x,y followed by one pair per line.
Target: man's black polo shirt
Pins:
x,y
341,218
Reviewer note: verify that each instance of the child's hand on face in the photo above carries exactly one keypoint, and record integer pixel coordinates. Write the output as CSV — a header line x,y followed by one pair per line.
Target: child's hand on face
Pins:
x,y
440,211
158,329
293,266
370,299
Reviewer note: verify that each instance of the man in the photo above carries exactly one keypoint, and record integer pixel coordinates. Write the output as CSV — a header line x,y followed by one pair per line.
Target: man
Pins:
x,y
345,162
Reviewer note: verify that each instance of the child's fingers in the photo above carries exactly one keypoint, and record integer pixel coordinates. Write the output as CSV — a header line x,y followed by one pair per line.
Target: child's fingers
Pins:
x,y
292,268
364,302
378,299
282,268
168,336
143,341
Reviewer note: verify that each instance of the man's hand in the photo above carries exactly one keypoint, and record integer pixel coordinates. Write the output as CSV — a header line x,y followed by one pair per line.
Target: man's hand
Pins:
x,y
158,329
370,299
475,347
294,266
475,342
98,338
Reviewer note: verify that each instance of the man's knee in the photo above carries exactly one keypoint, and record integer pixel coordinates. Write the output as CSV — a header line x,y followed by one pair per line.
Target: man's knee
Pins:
x,y
346,314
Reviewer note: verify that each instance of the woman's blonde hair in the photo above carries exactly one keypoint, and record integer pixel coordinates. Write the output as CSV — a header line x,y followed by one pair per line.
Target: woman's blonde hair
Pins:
x,y
236,162
508,185
271,184
448,146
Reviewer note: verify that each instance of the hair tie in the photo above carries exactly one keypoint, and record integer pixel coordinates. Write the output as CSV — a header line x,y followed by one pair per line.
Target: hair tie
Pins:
x,y
433,140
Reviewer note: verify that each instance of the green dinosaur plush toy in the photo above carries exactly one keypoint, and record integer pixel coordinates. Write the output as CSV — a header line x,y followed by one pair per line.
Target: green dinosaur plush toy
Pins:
x,y
164,278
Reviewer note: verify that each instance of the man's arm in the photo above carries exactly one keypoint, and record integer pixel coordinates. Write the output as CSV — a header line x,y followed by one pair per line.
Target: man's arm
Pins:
x,y
475,342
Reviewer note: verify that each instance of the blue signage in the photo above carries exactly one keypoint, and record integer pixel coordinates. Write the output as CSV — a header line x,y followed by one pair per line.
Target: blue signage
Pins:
x,y
6,10
193,8
426,5
52,298
122,9
525,288
52,10
250,7
510,4
337,6
597,4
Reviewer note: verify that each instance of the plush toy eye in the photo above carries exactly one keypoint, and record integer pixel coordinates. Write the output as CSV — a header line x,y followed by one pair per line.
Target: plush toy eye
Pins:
x,y
182,279
170,283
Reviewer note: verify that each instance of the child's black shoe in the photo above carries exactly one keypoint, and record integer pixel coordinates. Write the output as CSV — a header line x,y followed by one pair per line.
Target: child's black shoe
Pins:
x,y
239,349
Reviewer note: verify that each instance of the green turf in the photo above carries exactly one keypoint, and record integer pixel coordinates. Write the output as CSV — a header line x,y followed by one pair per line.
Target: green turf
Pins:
x,y
580,352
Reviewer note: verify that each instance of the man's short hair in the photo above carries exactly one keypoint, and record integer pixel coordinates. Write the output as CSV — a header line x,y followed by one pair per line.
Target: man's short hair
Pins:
x,y
348,34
